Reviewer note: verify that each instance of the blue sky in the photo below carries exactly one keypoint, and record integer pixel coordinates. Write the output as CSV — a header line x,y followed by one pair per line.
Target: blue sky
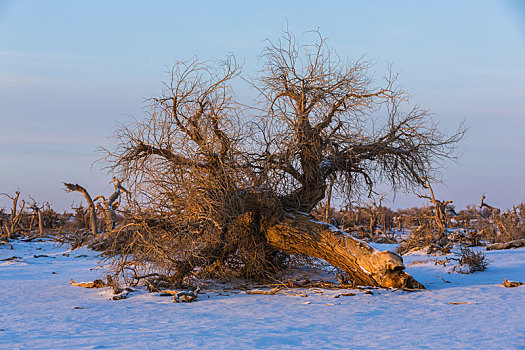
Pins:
x,y
71,70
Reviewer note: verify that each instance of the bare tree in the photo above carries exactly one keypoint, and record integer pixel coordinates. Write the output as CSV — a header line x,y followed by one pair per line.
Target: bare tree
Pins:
x,y
93,214
225,190
38,211
111,204
509,225
15,216
440,214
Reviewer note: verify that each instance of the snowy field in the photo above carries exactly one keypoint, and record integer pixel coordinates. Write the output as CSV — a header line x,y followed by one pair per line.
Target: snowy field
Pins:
x,y
40,310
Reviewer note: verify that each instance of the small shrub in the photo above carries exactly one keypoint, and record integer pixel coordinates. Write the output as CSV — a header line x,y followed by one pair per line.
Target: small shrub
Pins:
x,y
473,260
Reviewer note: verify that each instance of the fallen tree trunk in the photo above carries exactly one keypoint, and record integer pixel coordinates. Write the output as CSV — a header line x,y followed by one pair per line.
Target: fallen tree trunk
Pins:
x,y
518,243
299,233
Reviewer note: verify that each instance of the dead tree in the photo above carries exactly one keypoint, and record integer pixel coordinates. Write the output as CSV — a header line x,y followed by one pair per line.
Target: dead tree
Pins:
x,y
328,204
440,213
15,216
495,214
510,225
372,210
93,213
220,189
3,218
38,211
110,205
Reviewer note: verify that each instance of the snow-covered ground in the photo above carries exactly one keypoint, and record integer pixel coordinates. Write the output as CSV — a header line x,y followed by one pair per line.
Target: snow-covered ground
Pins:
x,y
40,310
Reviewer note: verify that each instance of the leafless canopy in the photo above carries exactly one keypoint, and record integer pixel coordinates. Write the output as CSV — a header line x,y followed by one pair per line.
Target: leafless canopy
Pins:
x,y
323,121
215,176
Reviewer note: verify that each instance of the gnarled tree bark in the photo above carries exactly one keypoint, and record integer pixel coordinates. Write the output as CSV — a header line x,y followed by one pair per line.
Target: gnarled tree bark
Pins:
x,y
299,233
